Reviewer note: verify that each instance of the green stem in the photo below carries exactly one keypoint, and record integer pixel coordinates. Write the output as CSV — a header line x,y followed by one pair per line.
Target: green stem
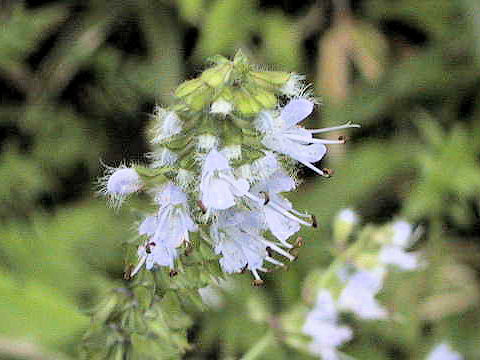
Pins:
x,y
259,348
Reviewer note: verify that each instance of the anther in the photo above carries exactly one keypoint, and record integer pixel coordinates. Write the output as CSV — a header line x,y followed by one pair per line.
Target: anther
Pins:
x,y
269,251
148,248
173,273
299,242
266,196
328,172
314,221
201,206
257,282
342,138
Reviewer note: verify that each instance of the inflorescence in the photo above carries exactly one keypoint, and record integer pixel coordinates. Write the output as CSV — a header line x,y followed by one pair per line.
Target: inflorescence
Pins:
x,y
222,157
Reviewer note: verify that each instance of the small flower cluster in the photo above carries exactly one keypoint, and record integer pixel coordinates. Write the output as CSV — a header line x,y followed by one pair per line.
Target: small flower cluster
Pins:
x,y
223,155
354,280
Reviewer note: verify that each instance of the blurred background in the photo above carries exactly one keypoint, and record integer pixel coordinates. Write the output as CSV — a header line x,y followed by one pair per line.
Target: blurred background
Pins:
x,y
79,79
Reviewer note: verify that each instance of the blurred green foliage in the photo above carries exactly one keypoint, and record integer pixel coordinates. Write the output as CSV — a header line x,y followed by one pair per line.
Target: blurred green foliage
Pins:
x,y
78,80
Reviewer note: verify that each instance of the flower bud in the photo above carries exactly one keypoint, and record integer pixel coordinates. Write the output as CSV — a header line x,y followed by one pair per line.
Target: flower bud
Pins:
x,y
343,226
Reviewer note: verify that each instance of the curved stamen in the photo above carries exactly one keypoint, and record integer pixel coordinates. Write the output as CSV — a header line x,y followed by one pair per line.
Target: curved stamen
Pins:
x,y
274,262
279,250
313,140
334,128
310,166
138,267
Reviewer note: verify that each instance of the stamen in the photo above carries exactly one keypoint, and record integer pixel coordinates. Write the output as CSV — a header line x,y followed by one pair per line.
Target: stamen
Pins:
x,y
313,140
258,281
273,261
278,209
310,166
173,273
279,250
314,221
138,267
346,126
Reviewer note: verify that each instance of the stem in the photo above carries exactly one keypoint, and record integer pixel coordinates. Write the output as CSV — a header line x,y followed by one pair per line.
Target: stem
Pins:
x,y
259,348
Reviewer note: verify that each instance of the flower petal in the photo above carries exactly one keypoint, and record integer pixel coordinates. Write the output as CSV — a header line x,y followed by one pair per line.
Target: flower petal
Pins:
x,y
295,111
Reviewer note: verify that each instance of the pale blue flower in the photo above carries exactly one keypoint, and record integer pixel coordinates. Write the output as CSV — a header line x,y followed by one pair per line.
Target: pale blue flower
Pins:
x,y
123,181
172,223
397,256
283,135
218,186
394,253
358,296
444,352
273,212
237,236
168,124
322,325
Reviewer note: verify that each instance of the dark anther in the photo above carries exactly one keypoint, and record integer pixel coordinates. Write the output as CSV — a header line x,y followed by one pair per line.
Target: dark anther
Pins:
x,y
127,274
201,206
173,273
244,269
258,282
269,252
328,172
342,138
314,221
267,198
148,248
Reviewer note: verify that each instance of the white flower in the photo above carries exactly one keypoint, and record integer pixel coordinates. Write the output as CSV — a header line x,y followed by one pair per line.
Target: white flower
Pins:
x,y
168,124
322,325
359,294
221,107
444,352
402,232
172,223
118,183
218,186
123,181
284,136
397,256
394,253
281,226
237,237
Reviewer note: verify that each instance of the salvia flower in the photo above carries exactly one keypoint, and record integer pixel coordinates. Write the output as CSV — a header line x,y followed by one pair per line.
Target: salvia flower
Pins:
x,y
283,135
322,325
218,186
